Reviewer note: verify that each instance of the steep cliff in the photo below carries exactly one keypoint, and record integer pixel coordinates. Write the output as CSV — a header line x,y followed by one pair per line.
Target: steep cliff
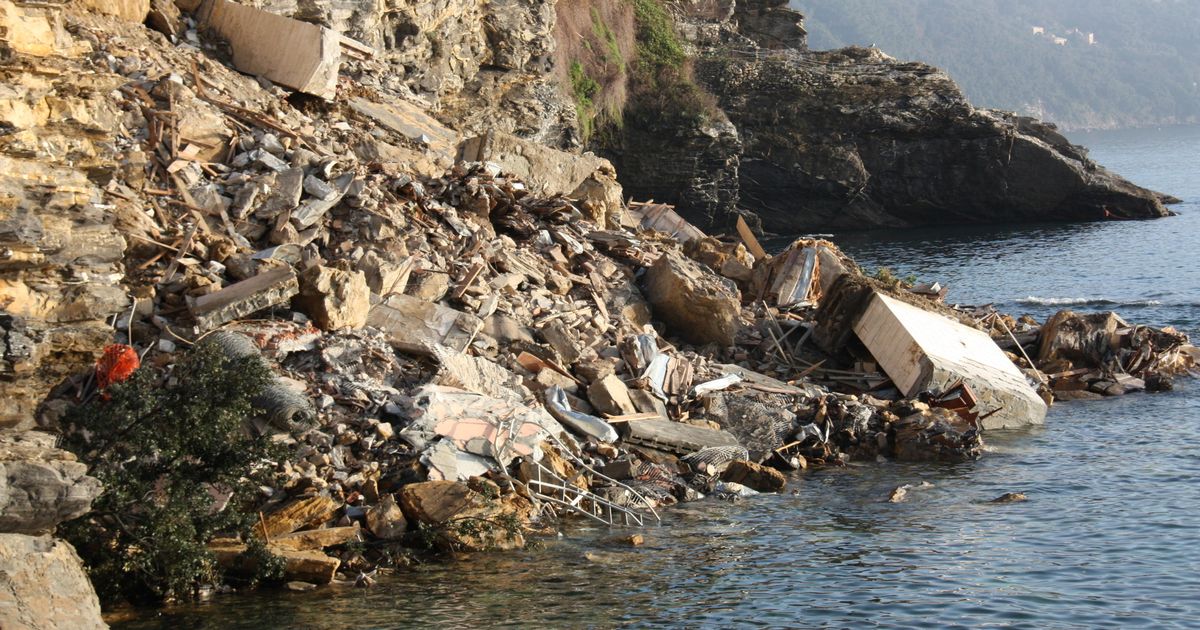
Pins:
x,y
850,139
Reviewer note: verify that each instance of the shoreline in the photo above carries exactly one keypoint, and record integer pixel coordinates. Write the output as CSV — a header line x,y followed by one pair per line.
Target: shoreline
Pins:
x,y
927,430
269,327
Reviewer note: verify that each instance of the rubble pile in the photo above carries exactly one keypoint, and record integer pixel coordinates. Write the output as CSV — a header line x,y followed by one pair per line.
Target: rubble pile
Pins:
x,y
460,360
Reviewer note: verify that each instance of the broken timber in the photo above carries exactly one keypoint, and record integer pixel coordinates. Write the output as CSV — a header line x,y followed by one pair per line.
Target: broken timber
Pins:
x,y
270,288
676,437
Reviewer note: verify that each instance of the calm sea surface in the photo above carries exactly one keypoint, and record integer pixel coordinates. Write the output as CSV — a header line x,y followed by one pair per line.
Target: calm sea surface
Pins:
x,y
1110,535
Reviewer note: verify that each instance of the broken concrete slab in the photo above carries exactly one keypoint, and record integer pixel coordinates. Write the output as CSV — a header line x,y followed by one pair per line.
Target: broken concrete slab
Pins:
x,y
546,171
799,279
312,210
476,374
297,55
446,462
663,218
419,327
676,437
560,409
696,304
924,351
267,289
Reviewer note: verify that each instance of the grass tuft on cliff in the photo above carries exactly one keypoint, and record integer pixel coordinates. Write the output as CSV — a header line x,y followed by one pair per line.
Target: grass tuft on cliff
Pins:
x,y
658,44
664,94
178,466
595,41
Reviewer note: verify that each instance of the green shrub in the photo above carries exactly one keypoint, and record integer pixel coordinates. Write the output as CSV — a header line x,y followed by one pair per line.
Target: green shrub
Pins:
x,y
163,445
583,90
658,45
612,48
664,94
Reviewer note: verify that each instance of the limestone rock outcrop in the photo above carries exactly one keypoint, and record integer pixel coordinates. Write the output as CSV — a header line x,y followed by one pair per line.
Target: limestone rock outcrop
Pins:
x,y
484,66
43,586
40,485
853,138
335,298
468,516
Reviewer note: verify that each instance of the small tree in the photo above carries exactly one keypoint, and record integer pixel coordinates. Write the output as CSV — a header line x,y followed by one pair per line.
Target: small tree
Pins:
x,y
168,448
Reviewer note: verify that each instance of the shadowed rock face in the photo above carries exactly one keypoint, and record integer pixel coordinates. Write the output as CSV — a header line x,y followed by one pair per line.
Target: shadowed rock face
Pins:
x,y
852,139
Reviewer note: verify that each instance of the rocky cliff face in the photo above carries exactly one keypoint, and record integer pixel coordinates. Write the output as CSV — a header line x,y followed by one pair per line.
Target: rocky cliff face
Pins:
x,y
853,139
806,140
482,66
42,582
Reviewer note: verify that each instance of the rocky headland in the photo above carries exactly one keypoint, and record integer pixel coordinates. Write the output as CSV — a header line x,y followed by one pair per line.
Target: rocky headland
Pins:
x,y
469,327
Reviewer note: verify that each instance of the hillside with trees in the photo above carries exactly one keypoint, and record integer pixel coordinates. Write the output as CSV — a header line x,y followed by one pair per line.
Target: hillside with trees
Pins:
x,y
1079,63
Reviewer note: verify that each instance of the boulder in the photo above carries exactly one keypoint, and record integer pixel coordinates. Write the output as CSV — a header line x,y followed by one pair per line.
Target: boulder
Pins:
x,y
128,10
754,476
386,520
937,435
470,516
696,304
43,585
335,298
731,260
609,395
40,486
1087,339
547,171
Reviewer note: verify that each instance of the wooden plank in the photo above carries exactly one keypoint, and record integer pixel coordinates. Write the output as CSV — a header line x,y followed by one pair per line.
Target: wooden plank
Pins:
x,y
318,538
468,279
294,54
749,239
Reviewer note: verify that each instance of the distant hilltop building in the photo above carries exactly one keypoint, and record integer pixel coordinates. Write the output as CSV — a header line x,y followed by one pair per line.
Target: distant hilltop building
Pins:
x,y
1090,38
